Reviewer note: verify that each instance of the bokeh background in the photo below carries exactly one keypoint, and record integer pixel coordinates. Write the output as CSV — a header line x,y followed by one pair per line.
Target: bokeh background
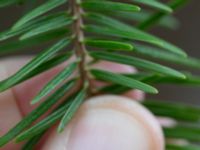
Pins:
x,y
186,37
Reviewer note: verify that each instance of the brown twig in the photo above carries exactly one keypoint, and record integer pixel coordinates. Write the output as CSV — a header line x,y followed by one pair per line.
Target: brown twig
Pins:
x,y
79,46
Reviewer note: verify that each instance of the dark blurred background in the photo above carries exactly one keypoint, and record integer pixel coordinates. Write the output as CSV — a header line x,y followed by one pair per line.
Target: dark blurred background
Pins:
x,y
186,37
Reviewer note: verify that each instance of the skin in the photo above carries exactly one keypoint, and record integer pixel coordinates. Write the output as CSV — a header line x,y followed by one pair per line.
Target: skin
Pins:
x,y
105,122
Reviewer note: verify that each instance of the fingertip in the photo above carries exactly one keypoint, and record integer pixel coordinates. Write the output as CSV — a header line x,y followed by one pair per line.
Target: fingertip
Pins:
x,y
27,90
119,68
114,67
109,123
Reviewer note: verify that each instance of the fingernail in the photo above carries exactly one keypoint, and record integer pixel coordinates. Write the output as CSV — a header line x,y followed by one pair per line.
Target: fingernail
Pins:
x,y
136,94
114,67
9,111
12,65
8,106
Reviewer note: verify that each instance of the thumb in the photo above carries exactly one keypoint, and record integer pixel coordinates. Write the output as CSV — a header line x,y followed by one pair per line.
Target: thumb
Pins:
x,y
109,123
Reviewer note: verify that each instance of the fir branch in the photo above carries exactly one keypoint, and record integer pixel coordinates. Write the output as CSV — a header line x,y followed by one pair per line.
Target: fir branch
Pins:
x,y
112,35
